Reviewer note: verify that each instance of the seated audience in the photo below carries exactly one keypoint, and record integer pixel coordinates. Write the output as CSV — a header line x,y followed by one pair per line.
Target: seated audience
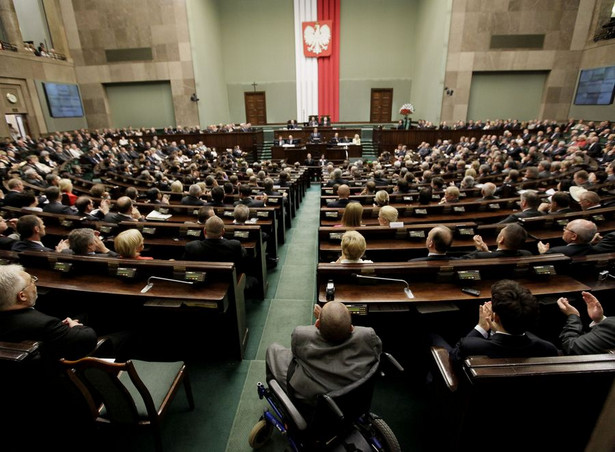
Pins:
x,y
488,191
559,203
66,187
387,215
193,198
129,244
19,320
126,211
353,249
510,242
438,242
589,200
329,355
578,235
451,195
529,203
601,335
503,329
85,208
55,204
86,242
353,215
241,214
381,198
31,230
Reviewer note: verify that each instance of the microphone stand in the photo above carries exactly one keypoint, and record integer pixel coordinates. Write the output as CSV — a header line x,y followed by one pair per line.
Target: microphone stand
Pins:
x,y
407,290
150,284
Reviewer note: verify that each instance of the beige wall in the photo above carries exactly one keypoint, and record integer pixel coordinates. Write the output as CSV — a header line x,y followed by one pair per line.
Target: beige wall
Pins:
x,y
568,27
161,25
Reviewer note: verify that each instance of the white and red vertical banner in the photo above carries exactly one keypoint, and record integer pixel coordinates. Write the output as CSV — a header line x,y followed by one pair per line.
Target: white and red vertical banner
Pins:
x,y
317,52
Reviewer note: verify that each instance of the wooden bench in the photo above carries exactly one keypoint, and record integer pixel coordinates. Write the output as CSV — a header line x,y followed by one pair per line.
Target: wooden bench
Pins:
x,y
531,397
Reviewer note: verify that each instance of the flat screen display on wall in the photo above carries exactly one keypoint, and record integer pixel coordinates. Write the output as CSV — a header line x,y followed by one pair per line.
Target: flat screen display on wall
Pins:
x,y
63,100
596,86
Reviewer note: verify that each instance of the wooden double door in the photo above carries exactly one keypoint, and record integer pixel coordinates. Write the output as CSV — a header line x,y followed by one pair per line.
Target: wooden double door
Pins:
x,y
256,107
381,105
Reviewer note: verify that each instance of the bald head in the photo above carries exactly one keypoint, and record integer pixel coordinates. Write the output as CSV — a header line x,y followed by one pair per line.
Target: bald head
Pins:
x,y
439,239
583,231
334,323
214,227
343,191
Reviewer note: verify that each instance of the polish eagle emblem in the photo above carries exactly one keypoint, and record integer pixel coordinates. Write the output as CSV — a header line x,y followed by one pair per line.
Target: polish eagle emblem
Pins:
x,y
317,39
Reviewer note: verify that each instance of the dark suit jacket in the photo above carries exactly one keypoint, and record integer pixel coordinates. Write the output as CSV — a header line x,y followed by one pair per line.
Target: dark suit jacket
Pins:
x,y
606,245
6,243
190,200
59,340
576,249
438,257
216,250
116,217
502,346
598,339
529,213
339,203
250,202
58,207
12,199
28,245
496,253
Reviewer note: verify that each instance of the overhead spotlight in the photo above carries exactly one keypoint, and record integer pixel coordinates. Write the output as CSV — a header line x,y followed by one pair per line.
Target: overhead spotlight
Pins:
x,y
193,98
449,92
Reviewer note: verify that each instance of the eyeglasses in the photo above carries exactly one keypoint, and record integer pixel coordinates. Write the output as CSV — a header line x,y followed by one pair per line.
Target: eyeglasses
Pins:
x,y
569,230
33,279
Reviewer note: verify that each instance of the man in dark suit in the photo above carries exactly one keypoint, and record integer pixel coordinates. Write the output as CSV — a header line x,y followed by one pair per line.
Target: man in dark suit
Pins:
x,y
55,205
31,230
215,247
12,197
279,141
510,242
438,242
309,161
601,336
85,208
594,150
315,136
19,320
245,197
578,235
343,197
193,198
604,244
529,203
559,204
502,329
125,212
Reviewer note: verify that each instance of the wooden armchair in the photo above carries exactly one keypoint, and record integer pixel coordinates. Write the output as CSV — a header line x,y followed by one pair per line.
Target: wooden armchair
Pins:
x,y
134,393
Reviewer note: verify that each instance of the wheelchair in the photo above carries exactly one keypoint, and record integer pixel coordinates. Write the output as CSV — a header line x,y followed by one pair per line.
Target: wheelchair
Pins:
x,y
340,421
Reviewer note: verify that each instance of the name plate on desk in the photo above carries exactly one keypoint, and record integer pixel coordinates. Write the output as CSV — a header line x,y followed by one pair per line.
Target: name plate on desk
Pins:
x,y
228,213
67,223
465,231
273,200
105,229
149,231
195,212
408,198
357,309
435,197
125,272
329,192
63,267
544,270
331,214
468,275
598,218
336,235
358,184
420,211
459,209
420,234
494,206
262,214
193,232
195,276
562,222
241,234
163,210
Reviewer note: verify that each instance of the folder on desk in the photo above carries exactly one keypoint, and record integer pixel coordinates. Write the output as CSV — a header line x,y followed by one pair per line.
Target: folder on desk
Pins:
x,y
154,215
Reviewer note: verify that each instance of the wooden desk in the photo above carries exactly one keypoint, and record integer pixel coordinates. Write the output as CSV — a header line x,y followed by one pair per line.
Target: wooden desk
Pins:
x,y
299,153
98,278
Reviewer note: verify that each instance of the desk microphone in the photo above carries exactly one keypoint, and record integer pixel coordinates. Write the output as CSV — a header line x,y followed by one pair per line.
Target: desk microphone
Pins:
x,y
150,284
407,290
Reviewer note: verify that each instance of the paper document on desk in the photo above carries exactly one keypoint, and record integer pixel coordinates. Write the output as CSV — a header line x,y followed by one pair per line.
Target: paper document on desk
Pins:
x,y
154,215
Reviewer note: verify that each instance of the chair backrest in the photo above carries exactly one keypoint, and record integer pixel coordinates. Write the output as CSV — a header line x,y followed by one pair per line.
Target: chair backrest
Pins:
x,y
99,382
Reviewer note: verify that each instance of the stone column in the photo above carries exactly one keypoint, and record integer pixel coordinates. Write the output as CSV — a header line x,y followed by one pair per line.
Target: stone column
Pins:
x,y
10,23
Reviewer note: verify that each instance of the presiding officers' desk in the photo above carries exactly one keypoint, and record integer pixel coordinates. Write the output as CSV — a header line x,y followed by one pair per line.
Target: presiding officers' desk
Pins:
x,y
440,282
298,153
203,305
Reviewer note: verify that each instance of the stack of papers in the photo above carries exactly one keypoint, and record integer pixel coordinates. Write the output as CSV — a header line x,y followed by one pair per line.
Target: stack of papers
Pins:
x,y
154,215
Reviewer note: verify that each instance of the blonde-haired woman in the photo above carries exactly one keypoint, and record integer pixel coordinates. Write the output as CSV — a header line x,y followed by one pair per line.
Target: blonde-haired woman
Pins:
x,y
381,198
352,216
129,244
66,188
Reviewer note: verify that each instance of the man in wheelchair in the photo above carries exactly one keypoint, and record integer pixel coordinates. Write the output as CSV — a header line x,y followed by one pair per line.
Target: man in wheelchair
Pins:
x,y
320,390
326,356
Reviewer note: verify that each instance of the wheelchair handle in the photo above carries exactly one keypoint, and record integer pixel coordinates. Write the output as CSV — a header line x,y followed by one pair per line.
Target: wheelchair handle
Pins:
x,y
333,407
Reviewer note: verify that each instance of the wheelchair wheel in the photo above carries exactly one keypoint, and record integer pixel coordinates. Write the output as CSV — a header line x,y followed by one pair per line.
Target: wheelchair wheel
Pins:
x,y
385,435
260,434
